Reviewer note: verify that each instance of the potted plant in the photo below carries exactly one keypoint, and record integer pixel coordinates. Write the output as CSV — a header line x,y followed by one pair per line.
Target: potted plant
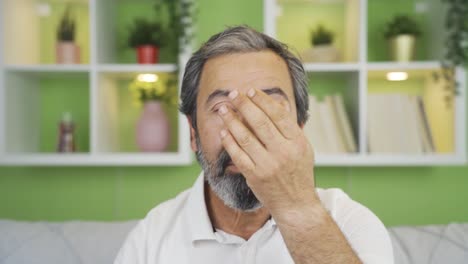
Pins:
x,y
152,128
401,33
146,37
455,44
177,18
322,46
67,51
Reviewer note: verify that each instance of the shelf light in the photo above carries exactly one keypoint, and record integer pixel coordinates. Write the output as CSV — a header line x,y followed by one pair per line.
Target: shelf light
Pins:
x,y
397,76
147,77
43,9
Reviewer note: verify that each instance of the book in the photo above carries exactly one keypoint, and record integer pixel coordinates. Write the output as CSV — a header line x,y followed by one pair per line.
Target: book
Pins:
x,y
313,127
334,140
344,123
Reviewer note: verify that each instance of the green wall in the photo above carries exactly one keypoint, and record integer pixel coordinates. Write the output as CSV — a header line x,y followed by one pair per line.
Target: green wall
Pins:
x,y
398,195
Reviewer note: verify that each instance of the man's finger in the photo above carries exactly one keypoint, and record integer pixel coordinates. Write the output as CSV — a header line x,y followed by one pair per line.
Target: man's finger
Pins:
x,y
278,113
257,120
242,135
243,162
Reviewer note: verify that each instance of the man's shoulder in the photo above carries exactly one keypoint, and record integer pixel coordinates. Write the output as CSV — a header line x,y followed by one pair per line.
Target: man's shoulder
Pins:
x,y
337,202
331,195
170,207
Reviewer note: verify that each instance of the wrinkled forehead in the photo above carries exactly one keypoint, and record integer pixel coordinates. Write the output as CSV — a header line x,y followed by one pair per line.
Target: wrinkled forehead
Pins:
x,y
242,71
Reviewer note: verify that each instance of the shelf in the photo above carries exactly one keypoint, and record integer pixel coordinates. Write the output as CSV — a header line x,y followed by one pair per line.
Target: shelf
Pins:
x,y
121,159
413,115
117,114
331,67
34,106
389,160
34,91
292,22
429,14
30,37
137,68
48,68
363,73
113,20
413,65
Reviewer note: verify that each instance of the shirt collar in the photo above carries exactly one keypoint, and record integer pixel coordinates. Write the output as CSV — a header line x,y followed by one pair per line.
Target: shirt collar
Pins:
x,y
197,217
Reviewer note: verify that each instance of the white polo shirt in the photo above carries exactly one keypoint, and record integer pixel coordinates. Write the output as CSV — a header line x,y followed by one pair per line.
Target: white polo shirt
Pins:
x,y
179,231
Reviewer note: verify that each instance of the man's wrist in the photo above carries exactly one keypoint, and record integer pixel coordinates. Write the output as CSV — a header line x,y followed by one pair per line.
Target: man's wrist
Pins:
x,y
307,211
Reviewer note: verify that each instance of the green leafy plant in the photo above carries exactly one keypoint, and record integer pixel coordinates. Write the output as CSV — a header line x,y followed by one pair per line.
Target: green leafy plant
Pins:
x,y
456,46
145,32
400,25
171,25
321,36
66,28
456,24
177,17
148,87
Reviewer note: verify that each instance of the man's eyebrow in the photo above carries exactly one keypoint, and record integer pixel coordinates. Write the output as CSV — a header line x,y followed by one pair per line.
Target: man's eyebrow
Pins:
x,y
225,93
275,90
217,93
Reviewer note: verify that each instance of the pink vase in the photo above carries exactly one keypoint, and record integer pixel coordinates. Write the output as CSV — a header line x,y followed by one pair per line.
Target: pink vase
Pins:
x,y
152,130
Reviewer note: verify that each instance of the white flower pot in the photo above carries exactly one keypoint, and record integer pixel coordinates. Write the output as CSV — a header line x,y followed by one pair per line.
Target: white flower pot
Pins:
x,y
321,53
402,47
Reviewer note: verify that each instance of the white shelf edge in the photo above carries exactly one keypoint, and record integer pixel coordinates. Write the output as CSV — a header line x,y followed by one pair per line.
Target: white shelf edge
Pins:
x,y
101,159
2,85
331,67
48,68
389,160
112,68
413,65
158,159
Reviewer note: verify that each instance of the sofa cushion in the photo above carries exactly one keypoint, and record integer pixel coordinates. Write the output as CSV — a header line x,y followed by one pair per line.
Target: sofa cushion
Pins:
x,y
430,244
67,243
98,242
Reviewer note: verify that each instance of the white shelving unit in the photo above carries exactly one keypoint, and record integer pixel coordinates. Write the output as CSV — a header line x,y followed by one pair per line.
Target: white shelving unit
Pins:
x,y
22,70
355,39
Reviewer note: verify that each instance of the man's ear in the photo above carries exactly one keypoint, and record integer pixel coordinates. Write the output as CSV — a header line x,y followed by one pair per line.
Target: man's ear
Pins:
x,y
193,143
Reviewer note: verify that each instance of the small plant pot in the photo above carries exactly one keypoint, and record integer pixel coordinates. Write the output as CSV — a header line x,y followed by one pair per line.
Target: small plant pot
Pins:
x,y
147,54
402,48
67,52
321,53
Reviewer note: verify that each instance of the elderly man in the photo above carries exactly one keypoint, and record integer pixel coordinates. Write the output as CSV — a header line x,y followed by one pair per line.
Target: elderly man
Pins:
x,y
245,98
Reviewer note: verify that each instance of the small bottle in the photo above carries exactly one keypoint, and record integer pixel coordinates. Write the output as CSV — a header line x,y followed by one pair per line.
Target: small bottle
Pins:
x,y
66,141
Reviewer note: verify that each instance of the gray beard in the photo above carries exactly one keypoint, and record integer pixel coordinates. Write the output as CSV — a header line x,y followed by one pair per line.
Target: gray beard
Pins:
x,y
231,188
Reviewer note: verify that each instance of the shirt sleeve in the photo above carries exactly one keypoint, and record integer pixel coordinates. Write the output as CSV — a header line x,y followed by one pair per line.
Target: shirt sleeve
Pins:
x,y
133,249
364,231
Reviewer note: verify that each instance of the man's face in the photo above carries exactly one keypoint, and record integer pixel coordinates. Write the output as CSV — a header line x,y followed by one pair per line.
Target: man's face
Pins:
x,y
240,71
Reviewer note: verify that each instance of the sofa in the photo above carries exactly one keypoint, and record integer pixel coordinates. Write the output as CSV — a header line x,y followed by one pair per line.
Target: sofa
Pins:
x,y
98,242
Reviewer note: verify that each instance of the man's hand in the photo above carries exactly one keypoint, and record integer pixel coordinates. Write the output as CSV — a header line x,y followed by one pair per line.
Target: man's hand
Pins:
x,y
269,148
271,151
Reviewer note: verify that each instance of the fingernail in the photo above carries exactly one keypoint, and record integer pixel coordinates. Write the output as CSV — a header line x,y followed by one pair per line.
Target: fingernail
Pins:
x,y
222,110
251,92
223,133
233,94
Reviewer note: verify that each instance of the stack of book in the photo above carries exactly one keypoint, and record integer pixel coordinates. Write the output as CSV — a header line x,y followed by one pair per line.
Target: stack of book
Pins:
x,y
397,123
328,128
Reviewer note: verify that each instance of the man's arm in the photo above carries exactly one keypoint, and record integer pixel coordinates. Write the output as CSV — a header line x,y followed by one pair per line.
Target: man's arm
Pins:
x,y
275,157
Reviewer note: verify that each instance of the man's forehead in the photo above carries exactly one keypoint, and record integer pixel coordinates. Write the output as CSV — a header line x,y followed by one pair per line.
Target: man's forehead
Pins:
x,y
261,70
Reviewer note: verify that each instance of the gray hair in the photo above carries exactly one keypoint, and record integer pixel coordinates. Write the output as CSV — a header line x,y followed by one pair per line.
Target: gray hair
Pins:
x,y
241,39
